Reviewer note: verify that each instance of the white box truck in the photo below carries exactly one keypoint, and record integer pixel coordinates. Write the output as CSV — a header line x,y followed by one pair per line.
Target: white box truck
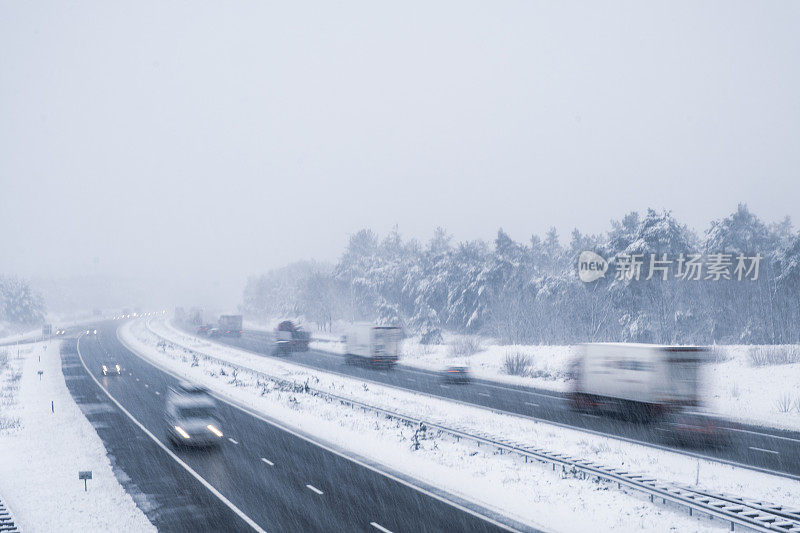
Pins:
x,y
373,345
642,379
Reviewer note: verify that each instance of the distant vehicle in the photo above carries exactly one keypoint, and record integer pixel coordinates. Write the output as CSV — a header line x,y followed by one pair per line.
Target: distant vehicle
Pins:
x,y
191,416
214,332
230,325
291,338
60,332
195,316
204,329
373,345
91,332
637,380
456,374
111,369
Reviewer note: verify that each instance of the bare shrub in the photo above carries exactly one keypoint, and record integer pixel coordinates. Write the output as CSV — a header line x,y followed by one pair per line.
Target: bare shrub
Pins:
x,y
517,364
465,346
769,355
784,403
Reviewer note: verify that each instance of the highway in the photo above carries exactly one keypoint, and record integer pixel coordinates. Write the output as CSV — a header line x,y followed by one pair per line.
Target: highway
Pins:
x,y
772,450
260,478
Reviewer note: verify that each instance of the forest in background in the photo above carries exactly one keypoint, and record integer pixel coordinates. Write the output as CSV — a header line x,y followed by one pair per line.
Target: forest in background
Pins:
x,y
530,292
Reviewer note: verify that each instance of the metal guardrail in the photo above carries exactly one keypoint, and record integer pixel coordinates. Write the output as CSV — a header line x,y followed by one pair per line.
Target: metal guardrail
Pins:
x,y
753,514
7,520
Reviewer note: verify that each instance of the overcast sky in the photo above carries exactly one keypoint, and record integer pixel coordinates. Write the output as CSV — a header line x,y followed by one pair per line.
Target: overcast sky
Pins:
x,y
211,140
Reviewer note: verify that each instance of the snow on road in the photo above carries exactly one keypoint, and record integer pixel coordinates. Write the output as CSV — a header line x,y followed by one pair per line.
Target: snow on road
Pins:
x,y
531,494
41,452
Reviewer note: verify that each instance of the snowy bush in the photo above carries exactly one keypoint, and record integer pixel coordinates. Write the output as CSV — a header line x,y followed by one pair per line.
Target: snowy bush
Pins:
x,y
516,364
465,346
774,355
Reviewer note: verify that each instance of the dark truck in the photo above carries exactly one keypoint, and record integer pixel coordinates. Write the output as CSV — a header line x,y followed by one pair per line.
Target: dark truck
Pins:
x,y
230,326
291,338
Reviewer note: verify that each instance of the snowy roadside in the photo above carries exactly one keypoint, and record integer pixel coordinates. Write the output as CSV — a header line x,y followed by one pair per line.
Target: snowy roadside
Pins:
x,y
734,388
496,481
41,452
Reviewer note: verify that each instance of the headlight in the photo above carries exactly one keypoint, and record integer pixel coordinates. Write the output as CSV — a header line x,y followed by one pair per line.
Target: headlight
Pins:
x,y
214,430
181,432
118,369
95,332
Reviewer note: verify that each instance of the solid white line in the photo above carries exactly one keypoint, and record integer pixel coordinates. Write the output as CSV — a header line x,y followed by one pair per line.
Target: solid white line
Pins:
x,y
315,489
270,463
763,450
379,527
296,433
177,459
770,435
233,441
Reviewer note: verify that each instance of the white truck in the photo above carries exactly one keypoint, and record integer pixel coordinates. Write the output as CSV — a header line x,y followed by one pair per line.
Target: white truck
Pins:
x,y
637,379
373,345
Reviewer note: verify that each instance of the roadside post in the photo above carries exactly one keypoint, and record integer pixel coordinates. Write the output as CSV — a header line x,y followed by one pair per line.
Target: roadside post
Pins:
x,y
84,475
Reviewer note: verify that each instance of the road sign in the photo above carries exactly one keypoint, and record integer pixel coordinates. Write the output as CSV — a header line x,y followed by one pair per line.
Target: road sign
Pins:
x,y
84,475
47,329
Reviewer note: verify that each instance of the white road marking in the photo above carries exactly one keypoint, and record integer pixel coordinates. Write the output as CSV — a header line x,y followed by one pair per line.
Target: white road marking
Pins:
x,y
484,394
177,459
411,380
315,489
763,450
379,527
137,379
233,441
158,393
270,463
770,435
533,404
146,385
444,386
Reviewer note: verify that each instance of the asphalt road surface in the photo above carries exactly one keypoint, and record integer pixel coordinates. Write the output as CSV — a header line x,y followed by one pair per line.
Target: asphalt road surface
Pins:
x,y
768,449
259,478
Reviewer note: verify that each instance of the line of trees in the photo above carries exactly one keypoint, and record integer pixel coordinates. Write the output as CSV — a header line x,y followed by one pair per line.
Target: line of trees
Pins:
x,y
530,292
20,305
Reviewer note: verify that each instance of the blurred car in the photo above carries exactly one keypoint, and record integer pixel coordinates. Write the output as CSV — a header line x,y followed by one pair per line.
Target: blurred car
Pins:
x,y
111,369
456,374
214,332
61,332
693,429
191,416
91,332
203,329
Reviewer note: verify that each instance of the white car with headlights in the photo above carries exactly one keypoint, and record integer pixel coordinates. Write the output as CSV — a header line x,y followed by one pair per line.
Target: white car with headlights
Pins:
x,y
111,368
191,416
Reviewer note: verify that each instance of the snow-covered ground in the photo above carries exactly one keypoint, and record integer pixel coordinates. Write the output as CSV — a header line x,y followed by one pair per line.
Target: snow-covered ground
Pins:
x,y
41,452
734,387
530,493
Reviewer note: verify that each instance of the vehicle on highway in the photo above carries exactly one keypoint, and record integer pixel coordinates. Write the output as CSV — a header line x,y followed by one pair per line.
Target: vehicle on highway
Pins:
x,y
214,332
456,374
291,338
203,329
692,428
373,345
640,381
230,325
191,416
111,368
61,332
91,332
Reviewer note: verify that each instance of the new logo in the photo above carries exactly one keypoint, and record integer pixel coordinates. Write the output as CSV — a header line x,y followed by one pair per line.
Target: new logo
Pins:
x,y
591,266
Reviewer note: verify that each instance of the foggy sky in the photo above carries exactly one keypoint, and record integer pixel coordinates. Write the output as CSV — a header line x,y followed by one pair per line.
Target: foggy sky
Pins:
x,y
196,141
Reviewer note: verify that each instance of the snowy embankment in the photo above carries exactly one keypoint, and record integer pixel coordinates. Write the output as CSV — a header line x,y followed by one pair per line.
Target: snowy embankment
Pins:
x,y
41,452
757,384
528,492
